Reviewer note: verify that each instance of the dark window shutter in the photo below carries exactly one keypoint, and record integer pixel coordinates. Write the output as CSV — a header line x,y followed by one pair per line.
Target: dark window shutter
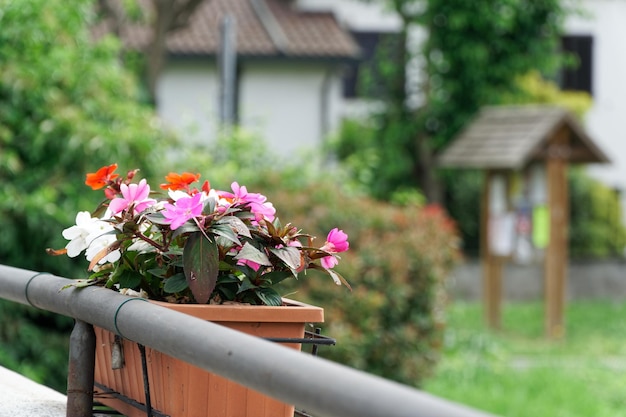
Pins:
x,y
580,76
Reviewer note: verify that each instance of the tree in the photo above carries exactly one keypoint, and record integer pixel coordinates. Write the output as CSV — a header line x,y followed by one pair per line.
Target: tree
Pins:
x,y
67,107
164,16
473,53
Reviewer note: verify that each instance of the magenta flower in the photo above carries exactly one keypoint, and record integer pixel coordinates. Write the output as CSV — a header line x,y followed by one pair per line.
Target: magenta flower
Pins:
x,y
336,241
263,211
185,208
240,194
255,266
135,195
259,206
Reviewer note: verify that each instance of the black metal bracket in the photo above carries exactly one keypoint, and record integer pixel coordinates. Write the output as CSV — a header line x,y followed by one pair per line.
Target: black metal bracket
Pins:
x,y
310,338
106,391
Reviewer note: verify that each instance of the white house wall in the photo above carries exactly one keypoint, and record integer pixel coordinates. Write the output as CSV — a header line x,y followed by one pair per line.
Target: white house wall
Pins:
x,y
292,105
187,99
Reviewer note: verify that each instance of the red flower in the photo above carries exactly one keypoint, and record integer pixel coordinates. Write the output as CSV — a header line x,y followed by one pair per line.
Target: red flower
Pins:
x,y
102,177
179,181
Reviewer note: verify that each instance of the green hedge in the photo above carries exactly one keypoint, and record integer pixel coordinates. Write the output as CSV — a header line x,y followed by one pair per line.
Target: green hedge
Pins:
x,y
67,107
596,226
391,323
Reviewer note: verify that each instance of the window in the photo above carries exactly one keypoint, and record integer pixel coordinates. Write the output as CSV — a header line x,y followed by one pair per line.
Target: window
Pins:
x,y
579,76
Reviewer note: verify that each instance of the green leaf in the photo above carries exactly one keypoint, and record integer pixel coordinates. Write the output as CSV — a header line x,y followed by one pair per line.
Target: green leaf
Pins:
x,y
158,272
188,227
275,277
269,297
336,276
209,206
246,285
226,231
289,255
175,283
129,279
158,218
249,252
201,266
237,225
228,292
228,279
82,283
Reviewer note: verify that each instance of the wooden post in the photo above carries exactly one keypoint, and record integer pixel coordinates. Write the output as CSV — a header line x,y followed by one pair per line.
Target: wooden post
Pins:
x,y
557,251
491,265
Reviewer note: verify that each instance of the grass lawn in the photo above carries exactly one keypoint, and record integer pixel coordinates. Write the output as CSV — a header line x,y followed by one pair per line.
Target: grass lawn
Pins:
x,y
517,372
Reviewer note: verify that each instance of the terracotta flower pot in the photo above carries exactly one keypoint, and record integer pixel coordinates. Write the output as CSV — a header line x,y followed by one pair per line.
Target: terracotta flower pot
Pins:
x,y
178,389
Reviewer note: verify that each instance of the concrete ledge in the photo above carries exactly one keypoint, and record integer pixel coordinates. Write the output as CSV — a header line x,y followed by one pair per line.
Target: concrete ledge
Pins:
x,y
19,396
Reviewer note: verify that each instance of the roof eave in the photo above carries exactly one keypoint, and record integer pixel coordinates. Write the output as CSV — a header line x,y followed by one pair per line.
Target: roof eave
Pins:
x,y
264,57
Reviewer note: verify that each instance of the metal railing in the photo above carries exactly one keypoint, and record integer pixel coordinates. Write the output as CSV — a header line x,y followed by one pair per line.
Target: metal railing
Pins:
x,y
321,387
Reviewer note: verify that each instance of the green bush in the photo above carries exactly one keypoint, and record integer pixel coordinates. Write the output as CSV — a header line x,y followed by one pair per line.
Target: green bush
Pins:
x,y
463,190
596,226
35,343
391,323
67,107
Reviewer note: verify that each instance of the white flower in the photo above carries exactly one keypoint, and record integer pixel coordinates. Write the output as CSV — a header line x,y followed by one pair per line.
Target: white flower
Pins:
x,y
100,243
141,246
80,235
176,194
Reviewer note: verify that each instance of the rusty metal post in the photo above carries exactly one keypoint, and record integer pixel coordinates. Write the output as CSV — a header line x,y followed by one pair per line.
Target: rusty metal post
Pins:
x,y
81,370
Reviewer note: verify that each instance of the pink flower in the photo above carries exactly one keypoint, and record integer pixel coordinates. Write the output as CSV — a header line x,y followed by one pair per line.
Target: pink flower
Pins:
x,y
255,266
263,211
240,194
336,241
185,208
259,206
135,195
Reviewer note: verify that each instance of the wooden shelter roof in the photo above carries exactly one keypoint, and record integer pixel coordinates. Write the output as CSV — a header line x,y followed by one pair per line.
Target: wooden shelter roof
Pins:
x,y
509,137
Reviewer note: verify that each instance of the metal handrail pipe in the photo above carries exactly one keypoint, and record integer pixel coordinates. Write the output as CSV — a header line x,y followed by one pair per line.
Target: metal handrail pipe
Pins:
x,y
319,386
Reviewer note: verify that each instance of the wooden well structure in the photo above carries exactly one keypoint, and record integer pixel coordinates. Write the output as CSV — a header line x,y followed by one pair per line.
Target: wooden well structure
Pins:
x,y
525,152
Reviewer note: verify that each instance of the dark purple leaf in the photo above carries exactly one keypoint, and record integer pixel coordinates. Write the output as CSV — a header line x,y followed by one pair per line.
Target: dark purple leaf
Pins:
x,y
201,266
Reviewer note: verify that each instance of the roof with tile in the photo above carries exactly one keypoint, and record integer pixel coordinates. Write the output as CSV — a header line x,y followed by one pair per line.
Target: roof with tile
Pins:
x,y
264,28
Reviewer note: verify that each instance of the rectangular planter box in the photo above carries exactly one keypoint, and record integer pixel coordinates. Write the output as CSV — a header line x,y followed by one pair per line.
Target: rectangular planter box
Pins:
x,y
178,389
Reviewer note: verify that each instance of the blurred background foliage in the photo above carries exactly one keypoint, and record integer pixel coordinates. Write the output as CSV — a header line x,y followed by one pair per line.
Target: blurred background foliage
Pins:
x,y
472,55
68,106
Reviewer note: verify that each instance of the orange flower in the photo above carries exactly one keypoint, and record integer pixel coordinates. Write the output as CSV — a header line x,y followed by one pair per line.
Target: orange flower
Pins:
x,y
179,181
99,179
